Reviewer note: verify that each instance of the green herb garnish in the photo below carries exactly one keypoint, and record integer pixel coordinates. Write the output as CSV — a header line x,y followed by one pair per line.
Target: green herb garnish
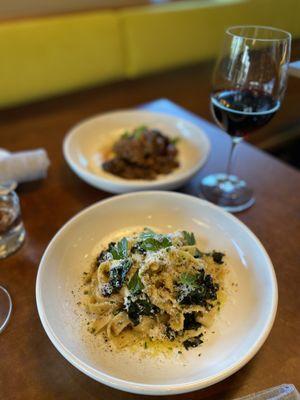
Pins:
x,y
125,135
188,279
138,131
135,285
147,233
119,250
189,238
151,241
156,243
175,140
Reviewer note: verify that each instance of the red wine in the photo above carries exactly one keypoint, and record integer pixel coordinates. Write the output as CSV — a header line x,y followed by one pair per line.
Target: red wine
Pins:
x,y
240,112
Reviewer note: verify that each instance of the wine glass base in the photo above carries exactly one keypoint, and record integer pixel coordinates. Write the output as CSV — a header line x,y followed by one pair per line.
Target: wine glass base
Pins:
x,y
228,192
5,308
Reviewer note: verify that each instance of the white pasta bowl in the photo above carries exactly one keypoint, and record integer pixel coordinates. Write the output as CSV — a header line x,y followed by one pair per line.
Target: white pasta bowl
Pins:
x,y
238,332
86,144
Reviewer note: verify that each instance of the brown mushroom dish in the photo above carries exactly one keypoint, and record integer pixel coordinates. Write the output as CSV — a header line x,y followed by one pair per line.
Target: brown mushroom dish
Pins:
x,y
142,154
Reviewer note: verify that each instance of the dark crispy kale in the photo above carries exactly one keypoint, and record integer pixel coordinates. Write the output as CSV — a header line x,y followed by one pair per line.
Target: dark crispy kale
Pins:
x,y
218,257
190,321
198,253
103,256
136,248
117,276
197,289
193,342
136,306
170,333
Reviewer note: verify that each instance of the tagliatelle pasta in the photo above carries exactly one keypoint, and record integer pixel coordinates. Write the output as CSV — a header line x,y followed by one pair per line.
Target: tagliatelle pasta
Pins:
x,y
150,287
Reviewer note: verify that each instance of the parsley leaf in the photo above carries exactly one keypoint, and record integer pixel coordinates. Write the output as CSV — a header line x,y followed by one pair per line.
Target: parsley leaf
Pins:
x,y
138,131
175,140
135,285
189,238
147,233
156,243
119,251
188,279
151,241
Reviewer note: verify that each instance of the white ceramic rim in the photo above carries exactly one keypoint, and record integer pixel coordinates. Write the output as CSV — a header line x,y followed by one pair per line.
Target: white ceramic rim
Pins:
x,y
140,388
91,178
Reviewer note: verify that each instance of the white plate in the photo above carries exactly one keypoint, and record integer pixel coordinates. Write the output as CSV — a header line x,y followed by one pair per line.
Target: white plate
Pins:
x,y
240,330
84,144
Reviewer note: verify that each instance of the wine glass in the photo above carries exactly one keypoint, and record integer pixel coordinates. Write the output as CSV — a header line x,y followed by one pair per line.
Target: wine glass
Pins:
x,y
5,307
249,83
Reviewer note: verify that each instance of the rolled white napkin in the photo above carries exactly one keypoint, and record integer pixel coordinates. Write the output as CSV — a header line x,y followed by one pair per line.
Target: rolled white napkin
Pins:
x,y
23,166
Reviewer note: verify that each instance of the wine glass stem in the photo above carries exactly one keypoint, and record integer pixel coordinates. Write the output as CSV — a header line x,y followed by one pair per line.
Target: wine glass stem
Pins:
x,y
234,142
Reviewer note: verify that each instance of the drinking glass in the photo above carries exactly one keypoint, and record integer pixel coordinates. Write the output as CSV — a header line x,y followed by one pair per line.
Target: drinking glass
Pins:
x,y
249,83
12,234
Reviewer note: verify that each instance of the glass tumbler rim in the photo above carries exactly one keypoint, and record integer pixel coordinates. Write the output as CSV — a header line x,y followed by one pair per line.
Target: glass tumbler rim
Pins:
x,y
285,35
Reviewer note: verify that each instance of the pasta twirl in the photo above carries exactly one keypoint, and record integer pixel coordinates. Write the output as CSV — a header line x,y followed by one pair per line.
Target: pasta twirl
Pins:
x,y
154,287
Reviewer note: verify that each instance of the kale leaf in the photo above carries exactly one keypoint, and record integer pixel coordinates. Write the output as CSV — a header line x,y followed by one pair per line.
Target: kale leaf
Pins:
x,y
197,289
136,306
190,321
136,248
193,342
170,333
117,276
218,257
103,256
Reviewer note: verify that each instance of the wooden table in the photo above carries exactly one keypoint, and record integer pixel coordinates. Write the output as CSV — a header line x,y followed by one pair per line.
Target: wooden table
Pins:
x,y
30,367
